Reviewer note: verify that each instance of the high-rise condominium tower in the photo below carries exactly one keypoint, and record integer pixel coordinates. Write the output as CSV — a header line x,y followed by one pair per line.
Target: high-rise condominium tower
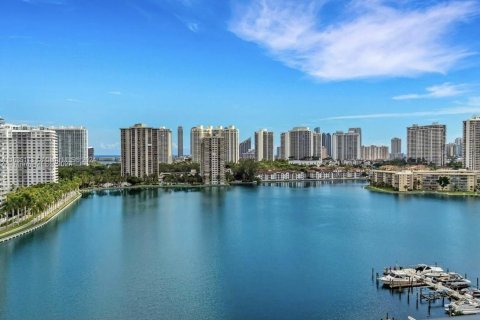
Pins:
x,y
396,147
317,144
285,146
231,143
301,143
245,146
28,156
327,143
427,143
471,143
346,146
72,146
232,139
180,141
143,148
373,153
212,159
264,145
196,135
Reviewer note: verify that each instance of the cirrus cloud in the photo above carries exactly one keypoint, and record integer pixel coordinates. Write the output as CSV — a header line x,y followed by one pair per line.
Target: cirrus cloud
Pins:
x,y
443,90
373,39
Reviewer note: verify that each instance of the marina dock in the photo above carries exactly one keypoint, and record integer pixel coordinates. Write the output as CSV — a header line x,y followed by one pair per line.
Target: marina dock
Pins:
x,y
435,284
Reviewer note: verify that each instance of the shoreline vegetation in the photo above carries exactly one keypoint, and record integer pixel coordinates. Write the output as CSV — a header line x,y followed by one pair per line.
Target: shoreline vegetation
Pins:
x,y
420,192
32,223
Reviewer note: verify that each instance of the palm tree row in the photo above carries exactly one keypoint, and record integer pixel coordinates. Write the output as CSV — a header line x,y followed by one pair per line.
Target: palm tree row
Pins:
x,y
36,201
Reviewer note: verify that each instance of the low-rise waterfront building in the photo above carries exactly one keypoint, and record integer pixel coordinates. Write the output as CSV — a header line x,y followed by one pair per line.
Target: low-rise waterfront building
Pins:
x,y
427,180
313,174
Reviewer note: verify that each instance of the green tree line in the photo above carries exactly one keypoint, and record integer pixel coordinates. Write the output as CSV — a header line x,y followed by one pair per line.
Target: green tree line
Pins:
x,y
26,202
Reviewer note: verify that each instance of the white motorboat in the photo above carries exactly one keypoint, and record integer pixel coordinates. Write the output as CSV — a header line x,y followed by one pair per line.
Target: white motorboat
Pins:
x,y
428,271
398,278
464,307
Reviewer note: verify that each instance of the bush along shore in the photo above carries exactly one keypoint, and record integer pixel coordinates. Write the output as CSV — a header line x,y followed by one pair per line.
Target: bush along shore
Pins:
x,y
28,206
391,190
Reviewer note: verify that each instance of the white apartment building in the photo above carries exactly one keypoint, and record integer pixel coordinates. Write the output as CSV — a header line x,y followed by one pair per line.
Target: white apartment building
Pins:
x,y
346,146
284,146
374,153
264,145
231,144
28,156
301,143
471,143
72,146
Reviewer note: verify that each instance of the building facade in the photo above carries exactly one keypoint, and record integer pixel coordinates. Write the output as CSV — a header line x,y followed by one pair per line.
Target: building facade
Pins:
x,y
301,143
212,164
264,145
317,145
346,146
232,140
196,135
396,148
143,149
245,146
231,143
164,145
427,143
28,156
424,180
91,154
327,144
180,141
375,153
284,146
471,143
72,146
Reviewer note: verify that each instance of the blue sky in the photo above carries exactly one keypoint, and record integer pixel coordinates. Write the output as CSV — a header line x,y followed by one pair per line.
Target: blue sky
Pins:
x,y
276,64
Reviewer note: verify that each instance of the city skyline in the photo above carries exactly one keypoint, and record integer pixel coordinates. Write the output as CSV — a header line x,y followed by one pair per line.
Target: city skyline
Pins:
x,y
184,63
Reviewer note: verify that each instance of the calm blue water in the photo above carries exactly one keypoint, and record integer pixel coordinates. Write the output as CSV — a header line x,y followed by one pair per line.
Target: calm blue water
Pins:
x,y
269,252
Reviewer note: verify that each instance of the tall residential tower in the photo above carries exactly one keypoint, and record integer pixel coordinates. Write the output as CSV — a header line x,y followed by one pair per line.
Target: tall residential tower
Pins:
x,y
264,145
471,143
427,143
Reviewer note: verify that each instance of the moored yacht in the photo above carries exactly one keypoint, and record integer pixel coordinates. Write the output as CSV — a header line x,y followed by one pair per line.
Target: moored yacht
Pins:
x,y
396,278
464,307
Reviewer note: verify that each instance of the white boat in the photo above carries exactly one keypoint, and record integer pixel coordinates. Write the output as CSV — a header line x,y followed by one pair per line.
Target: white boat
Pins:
x,y
398,278
464,307
428,271
453,280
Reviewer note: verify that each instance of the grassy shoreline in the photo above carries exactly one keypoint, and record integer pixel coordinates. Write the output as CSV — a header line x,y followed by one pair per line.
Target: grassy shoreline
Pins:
x,y
436,193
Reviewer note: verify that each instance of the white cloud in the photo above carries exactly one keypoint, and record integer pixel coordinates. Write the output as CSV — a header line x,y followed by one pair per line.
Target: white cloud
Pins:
x,y
471,107
115,93
72,100
374,39
438,91
192,26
